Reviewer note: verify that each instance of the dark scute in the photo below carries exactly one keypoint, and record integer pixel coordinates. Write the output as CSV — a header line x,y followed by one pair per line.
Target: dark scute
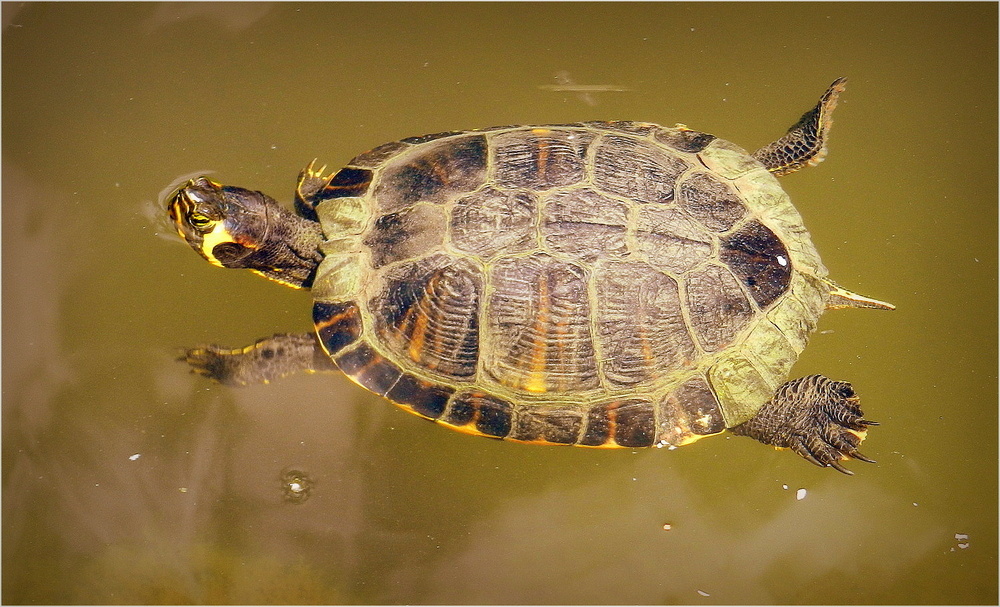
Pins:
x,y
711,202
630,422
405,234
638,170
374,157
759,260
492,416
541,158
434,172
635,424
718,307
337,324
348,181
369,369
684,140
428,312
561,426
599,427
426,398
700,407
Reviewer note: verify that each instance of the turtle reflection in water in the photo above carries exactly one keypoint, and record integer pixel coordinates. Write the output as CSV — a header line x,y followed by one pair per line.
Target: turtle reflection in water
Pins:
x,y
603,284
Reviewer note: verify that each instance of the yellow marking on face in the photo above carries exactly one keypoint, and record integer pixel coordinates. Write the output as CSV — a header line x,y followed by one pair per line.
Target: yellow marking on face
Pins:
x,y
210,240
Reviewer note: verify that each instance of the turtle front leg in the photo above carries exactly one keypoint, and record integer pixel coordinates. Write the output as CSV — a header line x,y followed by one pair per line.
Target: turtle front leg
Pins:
x,y
266,360
311,182
814,416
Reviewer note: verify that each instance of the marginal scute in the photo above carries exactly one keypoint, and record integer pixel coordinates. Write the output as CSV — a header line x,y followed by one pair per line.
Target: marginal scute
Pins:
x,y
338,324
728,159
405,234
558,425
636,169
624,126
428,313
585,225
490,222
772,352
684,140
759,259
640,324
628,422
717,307
369,368
711,202
540,158
434,172
349,181
740,388
487,414
425,398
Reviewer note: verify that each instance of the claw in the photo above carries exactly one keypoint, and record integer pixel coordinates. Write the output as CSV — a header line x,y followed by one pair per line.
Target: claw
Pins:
x,y
836,466
858,455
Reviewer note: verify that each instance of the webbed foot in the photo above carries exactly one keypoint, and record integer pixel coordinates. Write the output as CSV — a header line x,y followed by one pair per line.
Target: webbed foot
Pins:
x,y
814,416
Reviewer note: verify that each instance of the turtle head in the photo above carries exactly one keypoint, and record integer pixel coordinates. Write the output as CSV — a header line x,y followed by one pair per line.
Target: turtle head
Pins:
x,y
233,227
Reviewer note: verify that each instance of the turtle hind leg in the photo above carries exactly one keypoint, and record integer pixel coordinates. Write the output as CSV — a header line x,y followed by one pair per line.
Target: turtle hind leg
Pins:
x,y
814,416
266,360
805,142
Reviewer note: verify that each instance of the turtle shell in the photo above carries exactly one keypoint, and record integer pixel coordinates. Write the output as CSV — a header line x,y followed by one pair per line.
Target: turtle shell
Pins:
x,y
600,284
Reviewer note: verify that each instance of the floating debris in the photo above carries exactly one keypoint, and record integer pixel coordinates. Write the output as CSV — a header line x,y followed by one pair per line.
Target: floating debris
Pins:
x,y
296,486
135,456
703,593
667,527
800,494
585,92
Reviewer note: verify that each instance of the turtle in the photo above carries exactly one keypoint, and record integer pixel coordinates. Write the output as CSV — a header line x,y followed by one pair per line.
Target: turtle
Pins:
x,y
600,284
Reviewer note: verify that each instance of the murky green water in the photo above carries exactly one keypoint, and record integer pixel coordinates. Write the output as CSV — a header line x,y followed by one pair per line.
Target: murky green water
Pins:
x,y
127,480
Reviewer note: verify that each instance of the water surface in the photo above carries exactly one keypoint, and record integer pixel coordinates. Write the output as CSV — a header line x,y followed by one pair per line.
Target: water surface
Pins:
x,y
128,480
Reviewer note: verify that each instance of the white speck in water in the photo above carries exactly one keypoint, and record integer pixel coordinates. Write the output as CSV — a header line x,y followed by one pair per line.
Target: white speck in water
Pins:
x,y
785,487
703,593
914,503
667,527
781,258
135,456
800,494
961,536
182,489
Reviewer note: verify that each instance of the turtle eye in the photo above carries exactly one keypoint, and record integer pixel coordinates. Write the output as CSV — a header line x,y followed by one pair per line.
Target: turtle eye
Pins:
x,y
200,221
